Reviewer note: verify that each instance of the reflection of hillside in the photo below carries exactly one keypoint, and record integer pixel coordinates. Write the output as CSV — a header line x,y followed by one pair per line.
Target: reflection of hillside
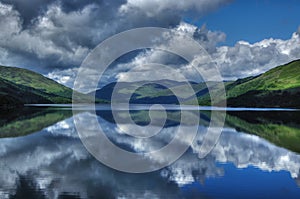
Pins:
x,y
141,117
29,120
49,174
280,128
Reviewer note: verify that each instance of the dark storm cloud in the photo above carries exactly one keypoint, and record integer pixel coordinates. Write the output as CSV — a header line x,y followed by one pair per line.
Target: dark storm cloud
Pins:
x,y
46,34
49,36
54,34
28,11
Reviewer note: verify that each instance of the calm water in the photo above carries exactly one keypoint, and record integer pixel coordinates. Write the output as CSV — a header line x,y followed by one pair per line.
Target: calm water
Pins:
x,y
257,156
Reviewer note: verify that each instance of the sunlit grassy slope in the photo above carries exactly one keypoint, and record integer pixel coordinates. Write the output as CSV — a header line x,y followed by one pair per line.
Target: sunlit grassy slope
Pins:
x,y
280,78
278,87
37,84
22,86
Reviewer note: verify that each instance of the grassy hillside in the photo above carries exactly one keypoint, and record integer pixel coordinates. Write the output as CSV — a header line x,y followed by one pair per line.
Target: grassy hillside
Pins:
x,y
12,94
279,87
152,92
39,85
21,86
280,78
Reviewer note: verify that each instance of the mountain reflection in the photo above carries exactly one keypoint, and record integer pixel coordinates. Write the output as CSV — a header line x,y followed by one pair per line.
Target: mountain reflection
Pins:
x,y
54,163
27,120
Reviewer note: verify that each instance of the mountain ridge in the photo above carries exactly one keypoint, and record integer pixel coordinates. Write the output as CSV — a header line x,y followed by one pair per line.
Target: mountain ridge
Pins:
x,y
278,87
20,86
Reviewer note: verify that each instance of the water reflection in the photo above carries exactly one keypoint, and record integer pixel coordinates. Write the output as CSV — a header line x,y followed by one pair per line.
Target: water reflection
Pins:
x,y
53,163
280,128
27,120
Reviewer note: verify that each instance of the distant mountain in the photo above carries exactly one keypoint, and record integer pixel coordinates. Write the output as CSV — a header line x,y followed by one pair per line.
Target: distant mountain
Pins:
x,y
278,87
150,92
21,86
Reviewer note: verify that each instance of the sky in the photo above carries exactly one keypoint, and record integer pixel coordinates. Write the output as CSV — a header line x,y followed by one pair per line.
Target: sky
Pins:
x,y
253,21
53,37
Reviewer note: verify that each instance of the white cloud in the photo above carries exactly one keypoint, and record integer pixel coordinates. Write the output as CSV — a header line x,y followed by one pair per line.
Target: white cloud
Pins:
x,y
178,41
155,7
61,39
244,59
65,77
241,60
61,34
38,41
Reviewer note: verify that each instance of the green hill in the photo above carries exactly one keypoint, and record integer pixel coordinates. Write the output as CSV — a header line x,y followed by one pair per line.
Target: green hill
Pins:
x,y
33,85
21,86
280,78
12,95
278,87
150,92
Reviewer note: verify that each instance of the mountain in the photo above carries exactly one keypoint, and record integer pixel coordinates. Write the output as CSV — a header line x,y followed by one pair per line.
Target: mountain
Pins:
x,y
150,92
12,95
21,86
278,87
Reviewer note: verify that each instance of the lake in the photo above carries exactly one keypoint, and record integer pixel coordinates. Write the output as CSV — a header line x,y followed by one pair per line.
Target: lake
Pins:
x,y
256,155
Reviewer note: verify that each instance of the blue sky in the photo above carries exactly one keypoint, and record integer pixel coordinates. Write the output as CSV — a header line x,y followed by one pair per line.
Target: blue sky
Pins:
x,y
253,21
53,37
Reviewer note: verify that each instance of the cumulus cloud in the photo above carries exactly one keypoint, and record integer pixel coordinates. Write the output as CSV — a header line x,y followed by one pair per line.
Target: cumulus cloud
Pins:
x,y
65,77
238,61
53,36
142,66
43,35
152,8
28,11
244,59
241,60
35,45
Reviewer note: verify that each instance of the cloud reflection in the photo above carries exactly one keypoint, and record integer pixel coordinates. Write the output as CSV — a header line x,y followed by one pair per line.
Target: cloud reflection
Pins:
x,y
57,162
